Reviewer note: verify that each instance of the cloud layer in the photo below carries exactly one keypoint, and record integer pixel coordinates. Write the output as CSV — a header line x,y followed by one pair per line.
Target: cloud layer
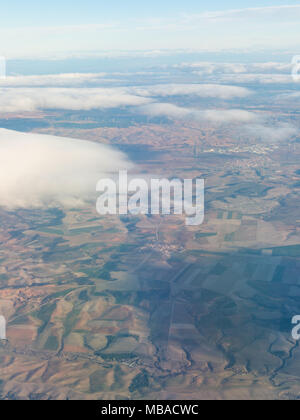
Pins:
x,y
26,93
211,115
45,171
27,99
272,134
201,90
241,73
257,125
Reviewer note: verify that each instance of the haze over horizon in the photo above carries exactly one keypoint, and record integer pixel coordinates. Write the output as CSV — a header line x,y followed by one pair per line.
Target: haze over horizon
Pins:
x,y
68,28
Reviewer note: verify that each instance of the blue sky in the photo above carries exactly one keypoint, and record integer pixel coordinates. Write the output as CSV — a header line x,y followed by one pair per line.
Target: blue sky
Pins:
x,y
39,28
34,12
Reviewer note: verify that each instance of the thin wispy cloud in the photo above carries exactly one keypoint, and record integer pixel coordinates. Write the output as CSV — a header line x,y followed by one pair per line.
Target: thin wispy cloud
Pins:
x,y
284,12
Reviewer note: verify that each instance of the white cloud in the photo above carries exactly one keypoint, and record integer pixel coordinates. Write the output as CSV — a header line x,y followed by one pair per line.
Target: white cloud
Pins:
x,y
166,110
210,68
229,116
41,171
277,67
213,115
290,96
71,91
257,78
257,126
201,90
93,79
232,73
272,134
32,99
53,80
236,67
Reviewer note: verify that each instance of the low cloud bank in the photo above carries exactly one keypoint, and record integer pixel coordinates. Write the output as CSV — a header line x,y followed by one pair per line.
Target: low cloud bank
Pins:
x,y
272,134
79,92
211,115
240,73
257,125
201,90
76,99
47,171
53,80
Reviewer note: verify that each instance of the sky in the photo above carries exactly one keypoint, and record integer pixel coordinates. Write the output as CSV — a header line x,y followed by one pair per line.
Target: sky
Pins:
x,y
65,27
